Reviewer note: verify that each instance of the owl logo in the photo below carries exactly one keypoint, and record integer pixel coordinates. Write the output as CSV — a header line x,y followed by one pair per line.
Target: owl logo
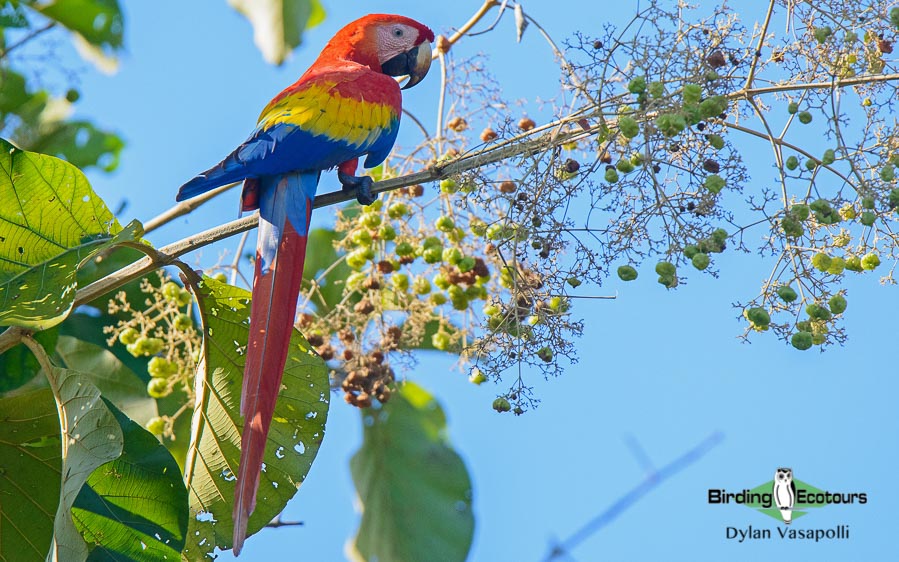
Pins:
x,y
784,492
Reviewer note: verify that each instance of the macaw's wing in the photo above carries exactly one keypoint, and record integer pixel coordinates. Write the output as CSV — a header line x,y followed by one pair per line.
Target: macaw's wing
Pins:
x,y
329,116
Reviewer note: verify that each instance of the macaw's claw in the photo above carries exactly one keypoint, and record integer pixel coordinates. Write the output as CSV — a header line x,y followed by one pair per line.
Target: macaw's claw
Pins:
x,y
361,185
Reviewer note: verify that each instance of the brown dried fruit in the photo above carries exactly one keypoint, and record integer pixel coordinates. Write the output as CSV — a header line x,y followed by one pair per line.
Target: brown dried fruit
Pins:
x,y
304,320
385,267
886,47
507,187
526,124
364,307
443,45
315,340
716,59
711,166
346,335
457,124
571,166
348,354
488,135
371,283
416,190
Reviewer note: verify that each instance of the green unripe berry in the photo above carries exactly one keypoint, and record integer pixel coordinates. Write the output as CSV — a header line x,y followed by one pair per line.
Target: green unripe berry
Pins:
x,y
868,218
501,405
837,304
700,261
637,85
828,157
556,304
573,282
818,312
887,173
545,354
894,198
624,166
792,163
690,250
170,291
847,212
821,261
220,277
397,210
432,255
692,93
822,33
370,220
405,249
400,282
491,309
805,117
477,377
811,164
719,235
717,141
870,261
441,341
792,227
801,340
161,367
478,227
799,212
665,268
786,293
441,282
867,202
356,259
183,322
894,17
610,176
452,255
656,89
671,124
758,316
354,280
627,273
361,237
713,106
466,264
184,297
448,185
158,388
628,127
387,232
669,281
854,263
714,183
155,425
438,299
792,108
837,265
421,286
444,223
128,335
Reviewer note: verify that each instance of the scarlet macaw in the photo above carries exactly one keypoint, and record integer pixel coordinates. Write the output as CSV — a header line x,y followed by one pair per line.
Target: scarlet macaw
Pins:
x,y
346,105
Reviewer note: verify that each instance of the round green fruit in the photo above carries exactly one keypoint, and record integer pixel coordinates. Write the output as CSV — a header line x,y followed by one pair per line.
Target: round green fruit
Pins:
x,y
714,183
128,335
801,340
441,341
183,322
158,388
821,261
627,273
786,293
792,163
792,107
155,425
501,405
665,268
805,117
700,261
477,377
837,304
758,316
870,261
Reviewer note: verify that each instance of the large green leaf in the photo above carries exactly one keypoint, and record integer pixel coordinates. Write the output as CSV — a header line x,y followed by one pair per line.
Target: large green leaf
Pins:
x,y
321,258
18,365
116,382
135,507
30,461
50,222
91,437
414,489
99,22
214,454
278,25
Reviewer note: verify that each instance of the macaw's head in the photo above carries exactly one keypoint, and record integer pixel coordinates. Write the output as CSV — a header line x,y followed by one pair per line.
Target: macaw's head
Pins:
x,y
394,45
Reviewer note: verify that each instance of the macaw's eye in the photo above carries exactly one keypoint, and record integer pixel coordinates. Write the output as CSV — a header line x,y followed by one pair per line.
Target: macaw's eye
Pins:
x,y
397,32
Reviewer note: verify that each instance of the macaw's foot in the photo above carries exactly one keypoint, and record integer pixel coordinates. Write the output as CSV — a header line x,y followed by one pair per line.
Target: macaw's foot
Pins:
x,y
361,185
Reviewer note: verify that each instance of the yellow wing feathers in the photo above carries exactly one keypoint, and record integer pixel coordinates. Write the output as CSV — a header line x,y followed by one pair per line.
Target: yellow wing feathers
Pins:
x,y
320,110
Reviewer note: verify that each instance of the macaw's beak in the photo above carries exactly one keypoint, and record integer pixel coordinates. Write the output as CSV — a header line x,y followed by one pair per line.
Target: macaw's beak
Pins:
x,y
413,63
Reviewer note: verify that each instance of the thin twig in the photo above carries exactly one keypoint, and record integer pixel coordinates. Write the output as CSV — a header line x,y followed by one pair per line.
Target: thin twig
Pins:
x,y
650,482
185,207
27,38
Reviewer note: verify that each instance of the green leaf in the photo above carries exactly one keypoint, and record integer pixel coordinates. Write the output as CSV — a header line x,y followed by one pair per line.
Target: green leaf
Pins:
x,y
414,489
212,460
135,507
29,475
50,222
278,25
116,382
99,22
12,15
91,437
13,91
321,257
18,365
80,143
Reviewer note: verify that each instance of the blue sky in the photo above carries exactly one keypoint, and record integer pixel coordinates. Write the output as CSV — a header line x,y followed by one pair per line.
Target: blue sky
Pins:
x,y
662,367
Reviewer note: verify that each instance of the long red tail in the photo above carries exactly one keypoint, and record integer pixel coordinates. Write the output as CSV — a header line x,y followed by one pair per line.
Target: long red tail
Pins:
x,y
276,287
